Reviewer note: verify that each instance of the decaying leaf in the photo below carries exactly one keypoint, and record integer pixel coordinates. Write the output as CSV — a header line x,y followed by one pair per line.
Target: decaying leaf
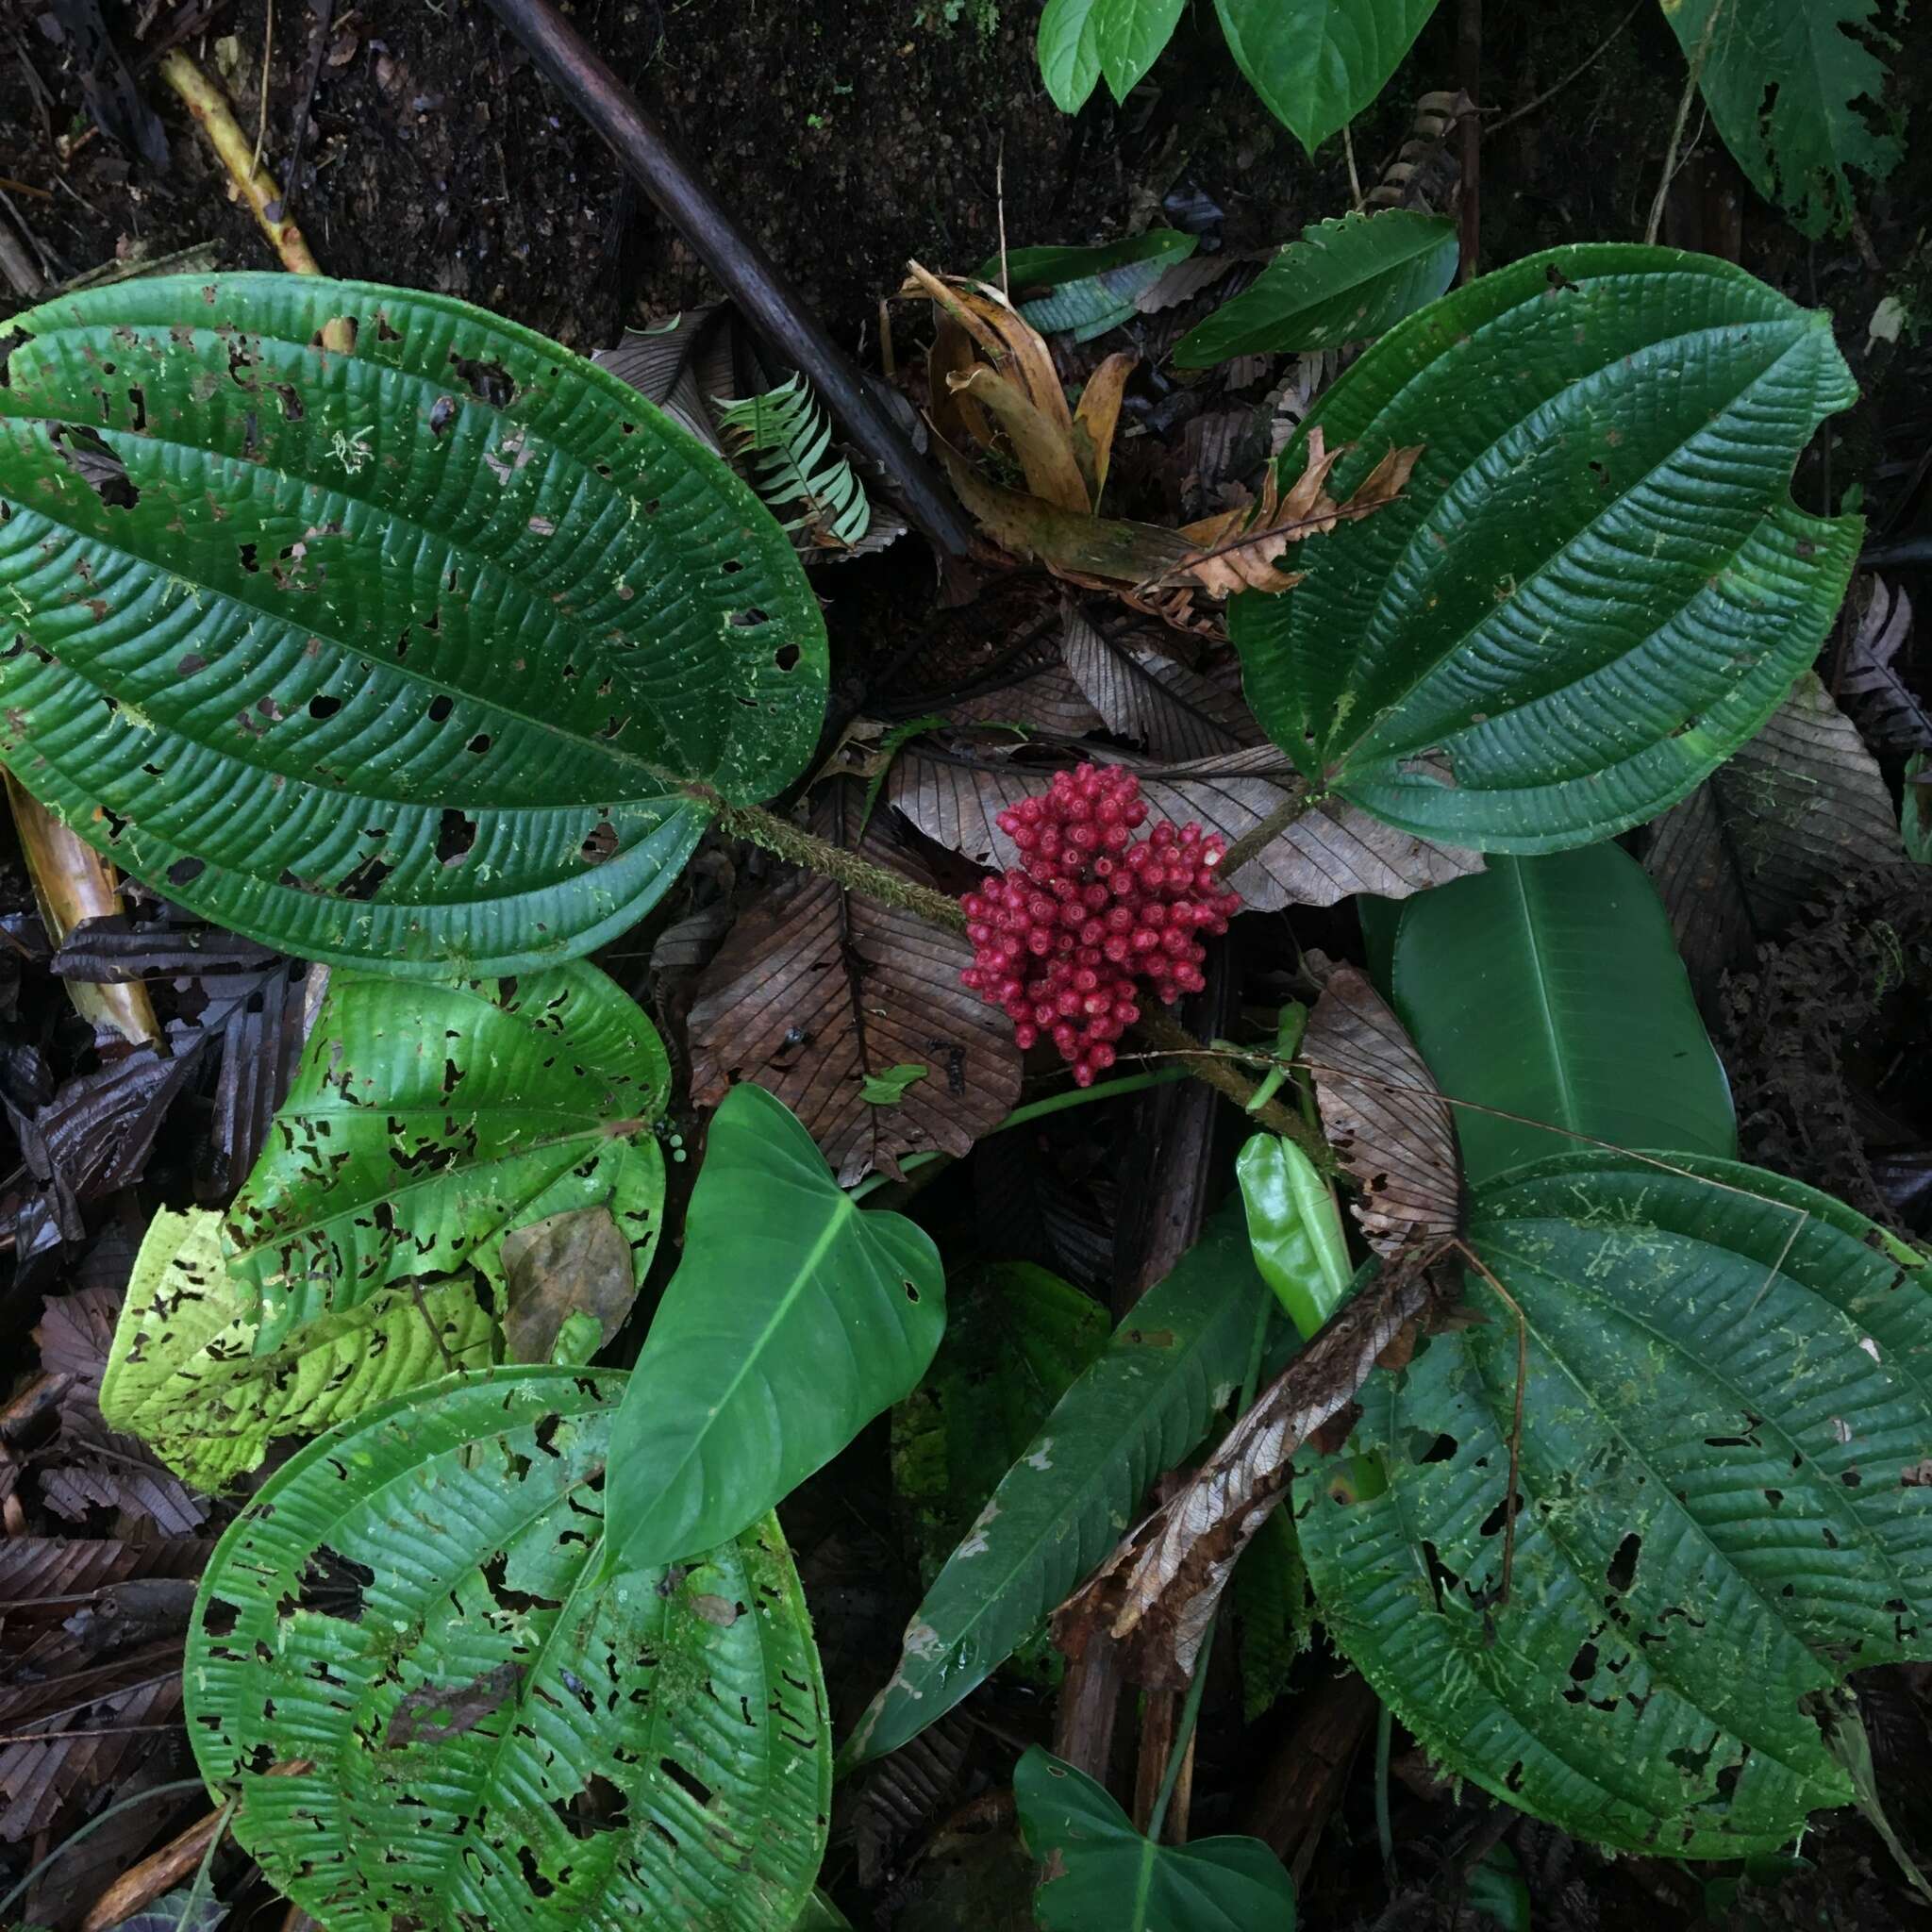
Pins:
x,y
1157,1592
1796,810
818,989
576,1262
1385,1118
1241,549
1887,710
1142,694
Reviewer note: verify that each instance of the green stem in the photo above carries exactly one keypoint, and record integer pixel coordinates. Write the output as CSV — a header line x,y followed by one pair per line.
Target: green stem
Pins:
x,y
1385,1830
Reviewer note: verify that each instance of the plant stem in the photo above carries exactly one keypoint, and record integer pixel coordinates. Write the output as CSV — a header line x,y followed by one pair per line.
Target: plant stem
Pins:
x,y
1258,838
1690,81
1169,1037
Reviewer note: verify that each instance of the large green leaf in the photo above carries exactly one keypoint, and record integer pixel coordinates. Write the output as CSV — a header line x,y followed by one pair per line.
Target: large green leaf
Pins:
x,y
182,1373
425,1122
497,1733
1082,39
1595,586
1723,1504
1105,1876
1550,989
1318,63
1343,282
1783,79
400,658
1137,1411
795,1318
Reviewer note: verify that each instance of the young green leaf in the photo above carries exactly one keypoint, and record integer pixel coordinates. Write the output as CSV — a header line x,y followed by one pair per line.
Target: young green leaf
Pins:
x,y
1294,1228
403,658
426,1121
181,1374
1595,586
1550,989
1105,1876
1720,1513
1318,63
785,437
1082,39
793,1319
438,1710
888,1088
1344,281
1136,1410
1783,80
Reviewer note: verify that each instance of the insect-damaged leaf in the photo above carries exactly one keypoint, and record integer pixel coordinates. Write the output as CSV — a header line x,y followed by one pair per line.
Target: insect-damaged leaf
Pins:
x,y
1134,1410
181,1375
426,1121
793,1319
499,1731
400,658
1595,586
1720,1508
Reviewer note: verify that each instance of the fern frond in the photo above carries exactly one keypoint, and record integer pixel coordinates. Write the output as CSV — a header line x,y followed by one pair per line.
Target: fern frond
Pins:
x,y
785,439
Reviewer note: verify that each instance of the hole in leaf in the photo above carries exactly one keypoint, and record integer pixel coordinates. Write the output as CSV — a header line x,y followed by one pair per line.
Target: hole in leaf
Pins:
x,y
489,382
912,1289
686,1781
439,708
1442,1450
332,1585
137,402
365,879
1622,1570
94,462
456,833
220,1618
788,656
540,1887
599,844
322,706
748,620
599,1806
478,745
442,412
247,556
184,871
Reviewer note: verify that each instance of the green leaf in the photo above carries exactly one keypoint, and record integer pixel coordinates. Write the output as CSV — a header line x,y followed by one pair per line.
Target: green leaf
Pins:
x,y
181,1374
1273,1611
1089,291
786,436
1343,282
1495,1890
1595,586
1082,39
500,1734
1294,1228
425,1122
1137,1411
1105,1876
401,658
1550,989
1783,79
889,1088
1318,63
793,1319
1721,1506
1017,1338
821,1915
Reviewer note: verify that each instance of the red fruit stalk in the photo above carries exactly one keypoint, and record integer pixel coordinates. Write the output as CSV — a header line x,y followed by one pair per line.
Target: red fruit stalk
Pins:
x,y
1061,941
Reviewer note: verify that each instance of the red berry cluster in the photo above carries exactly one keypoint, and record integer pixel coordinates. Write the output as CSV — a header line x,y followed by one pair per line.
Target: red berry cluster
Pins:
x,y
1059,941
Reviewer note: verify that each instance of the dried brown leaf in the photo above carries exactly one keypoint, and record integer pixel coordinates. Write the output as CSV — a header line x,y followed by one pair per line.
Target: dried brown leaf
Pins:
x,y
817,990
1047,701
1046,450
1097,418
574,1262
1145,695
1385,1117
1797,807
1157,1592
1007,339
1887,710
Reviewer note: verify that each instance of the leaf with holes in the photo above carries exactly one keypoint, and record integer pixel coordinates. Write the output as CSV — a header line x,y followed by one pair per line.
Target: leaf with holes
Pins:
x,y
1595,586
426,1121
793,1319
1344,281
1720,1510
182,1375
403,658
1549,989
493,1729
1136,1410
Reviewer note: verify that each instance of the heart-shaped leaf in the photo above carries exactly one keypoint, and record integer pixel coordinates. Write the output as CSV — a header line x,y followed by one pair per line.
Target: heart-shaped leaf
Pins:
x,y
1101,1875
793,1319
438,1708
1595,586
1549,989
1082,39
426,1121
183,1377
1721,1511
1344,281
403,657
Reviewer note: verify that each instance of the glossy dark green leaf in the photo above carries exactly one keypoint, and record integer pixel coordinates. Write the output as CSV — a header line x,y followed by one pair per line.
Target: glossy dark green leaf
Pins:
x,y
1344,281
426,1121
400,658
793,1319
1082,39
496,1731
1135,1411
1294,1229
1595,586
1722,1512
1101,1875
1318,63
1550,989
